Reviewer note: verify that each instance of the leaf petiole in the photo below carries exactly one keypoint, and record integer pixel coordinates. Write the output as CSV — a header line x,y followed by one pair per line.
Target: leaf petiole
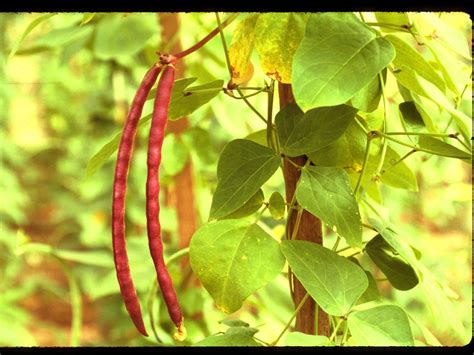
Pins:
x,y
303,301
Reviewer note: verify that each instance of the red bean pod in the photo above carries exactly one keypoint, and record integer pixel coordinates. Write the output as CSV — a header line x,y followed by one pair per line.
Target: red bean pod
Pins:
x,y
124,154
155,143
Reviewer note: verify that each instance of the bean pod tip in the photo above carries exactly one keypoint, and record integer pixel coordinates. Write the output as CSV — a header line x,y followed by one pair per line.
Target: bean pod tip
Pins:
x,y
181,333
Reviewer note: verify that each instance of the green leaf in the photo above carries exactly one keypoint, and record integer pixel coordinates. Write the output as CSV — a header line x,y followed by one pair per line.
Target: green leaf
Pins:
x,y
410,57
61,37
304,133
87,17
399,175
175,155
99,158
94,258
400,274
239,339
346,152
187,100
277,205
367,99
418,85
243,167
277,36
333,282
438,147
337,57
241,47
372,293
326,193
386,325
259,137
394,18
245,330
234,258
411,117
393,239
302,339
234,323
118,35
180,105
27,31
251,206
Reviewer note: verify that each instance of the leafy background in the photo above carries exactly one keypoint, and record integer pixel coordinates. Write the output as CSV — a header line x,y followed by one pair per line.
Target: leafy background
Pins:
x,y
65,94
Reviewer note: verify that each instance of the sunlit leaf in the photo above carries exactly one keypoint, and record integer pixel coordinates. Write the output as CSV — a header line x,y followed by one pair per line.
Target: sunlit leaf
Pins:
x,y
117,35
234,258
337,57
438,147
326,193
367,99
381,326
27,31
408,56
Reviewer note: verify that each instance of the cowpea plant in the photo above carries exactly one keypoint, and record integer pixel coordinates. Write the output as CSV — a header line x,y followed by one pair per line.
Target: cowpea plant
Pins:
x,y
360,94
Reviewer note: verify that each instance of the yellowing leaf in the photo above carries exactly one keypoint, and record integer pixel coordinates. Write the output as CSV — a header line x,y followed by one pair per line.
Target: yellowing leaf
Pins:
x,y
241,47
277,36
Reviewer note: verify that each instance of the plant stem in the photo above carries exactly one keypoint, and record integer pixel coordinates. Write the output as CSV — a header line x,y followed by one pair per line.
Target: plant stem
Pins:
x,y
446,135
150,304
303,301
358,118
297,223
369,226
333,335
270,140
385,110
364,164
408,145
253,88
206,39
176,256
388,25
354,254
229,69
245,96
261,212
299,167
338,239
344,337
343,249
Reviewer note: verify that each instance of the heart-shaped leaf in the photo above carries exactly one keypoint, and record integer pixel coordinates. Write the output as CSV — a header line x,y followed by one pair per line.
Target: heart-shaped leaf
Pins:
x,y
326,193
381,326
234,258
243,167
337,57
334,282
300,133
400,274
